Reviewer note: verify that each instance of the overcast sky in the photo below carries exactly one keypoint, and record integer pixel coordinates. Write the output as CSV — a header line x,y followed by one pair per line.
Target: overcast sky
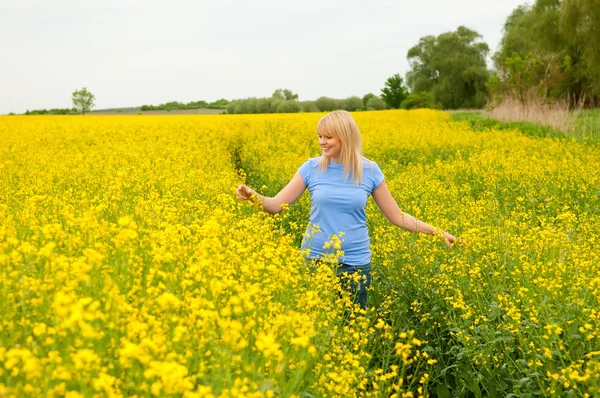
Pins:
x,y
130,53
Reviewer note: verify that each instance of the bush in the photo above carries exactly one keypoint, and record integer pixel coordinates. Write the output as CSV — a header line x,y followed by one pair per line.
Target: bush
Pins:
x,y
375,103
309,106
263,105
326,104
289,106
420,100
366,99
251,105
230,107
352,104
218,104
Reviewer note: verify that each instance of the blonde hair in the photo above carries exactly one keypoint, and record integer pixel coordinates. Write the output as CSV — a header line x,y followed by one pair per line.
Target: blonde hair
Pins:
x,y
342,125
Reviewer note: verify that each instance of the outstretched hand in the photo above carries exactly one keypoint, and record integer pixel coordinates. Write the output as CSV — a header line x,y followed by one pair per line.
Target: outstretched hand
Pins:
x,y
449,239
244,192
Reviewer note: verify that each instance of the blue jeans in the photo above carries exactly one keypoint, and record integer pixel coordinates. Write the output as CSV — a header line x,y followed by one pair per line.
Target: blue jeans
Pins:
x,y
358,290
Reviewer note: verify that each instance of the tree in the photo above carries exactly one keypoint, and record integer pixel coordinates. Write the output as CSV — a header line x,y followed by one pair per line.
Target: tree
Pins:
x,y
452,66
420,100
394,91
366,99
376,104
284,94
580,21
83,100
289,106
278,94
326,104
550,50
309,106
289,95
352,104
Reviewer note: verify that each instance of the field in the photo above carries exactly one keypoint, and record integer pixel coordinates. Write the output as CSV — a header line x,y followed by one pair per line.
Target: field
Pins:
x,y
128,268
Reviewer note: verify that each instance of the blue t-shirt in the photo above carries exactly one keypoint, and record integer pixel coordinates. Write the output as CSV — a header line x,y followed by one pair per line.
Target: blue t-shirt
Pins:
x,y
338,206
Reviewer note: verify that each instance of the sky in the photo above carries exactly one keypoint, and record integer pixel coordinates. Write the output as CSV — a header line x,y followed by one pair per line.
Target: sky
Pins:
x,y
130,53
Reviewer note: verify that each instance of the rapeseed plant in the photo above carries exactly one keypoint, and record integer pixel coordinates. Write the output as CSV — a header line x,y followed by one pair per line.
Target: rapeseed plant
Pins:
x,y
128,268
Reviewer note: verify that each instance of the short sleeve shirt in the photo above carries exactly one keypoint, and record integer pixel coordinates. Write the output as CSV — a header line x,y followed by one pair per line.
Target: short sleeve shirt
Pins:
x,y
338,207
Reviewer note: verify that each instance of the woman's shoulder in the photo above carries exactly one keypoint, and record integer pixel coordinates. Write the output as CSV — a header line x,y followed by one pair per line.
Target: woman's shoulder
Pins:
x,y
367,163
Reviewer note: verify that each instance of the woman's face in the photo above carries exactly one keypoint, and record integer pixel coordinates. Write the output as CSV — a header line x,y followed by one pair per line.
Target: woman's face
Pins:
x,y
331,146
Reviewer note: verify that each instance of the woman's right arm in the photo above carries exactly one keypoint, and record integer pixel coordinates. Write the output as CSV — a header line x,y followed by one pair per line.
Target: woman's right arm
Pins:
x,y
292,191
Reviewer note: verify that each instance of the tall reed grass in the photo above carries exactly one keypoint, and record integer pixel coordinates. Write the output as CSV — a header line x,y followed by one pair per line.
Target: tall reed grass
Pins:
x,y
564,114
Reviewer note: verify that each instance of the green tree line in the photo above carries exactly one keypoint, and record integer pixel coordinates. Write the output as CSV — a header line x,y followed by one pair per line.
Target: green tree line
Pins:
x,y
174,105
286,101
549,50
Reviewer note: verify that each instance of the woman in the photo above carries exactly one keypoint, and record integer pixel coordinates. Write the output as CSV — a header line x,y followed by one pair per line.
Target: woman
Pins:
x,y
340,182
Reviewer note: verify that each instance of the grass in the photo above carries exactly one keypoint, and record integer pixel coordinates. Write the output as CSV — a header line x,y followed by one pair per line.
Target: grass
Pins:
x,y
586,127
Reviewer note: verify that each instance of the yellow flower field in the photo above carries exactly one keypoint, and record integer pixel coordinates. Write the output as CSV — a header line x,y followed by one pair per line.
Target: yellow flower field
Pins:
x,y
128,268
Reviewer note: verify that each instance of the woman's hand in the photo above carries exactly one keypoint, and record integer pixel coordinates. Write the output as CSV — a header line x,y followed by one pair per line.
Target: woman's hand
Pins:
x,y
244,192
450,239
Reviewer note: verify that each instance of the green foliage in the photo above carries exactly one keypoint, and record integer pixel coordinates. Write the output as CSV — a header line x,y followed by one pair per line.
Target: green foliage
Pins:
x,y
452,66
326,104
310,106
394,91
230,108
376,104
550,49
289,106
53,111
263,105
352,104
420,100
284,94
366,99
83,100
278,103
579,23
174,105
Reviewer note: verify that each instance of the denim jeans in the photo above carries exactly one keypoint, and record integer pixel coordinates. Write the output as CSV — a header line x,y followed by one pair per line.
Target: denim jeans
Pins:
x,y
358,289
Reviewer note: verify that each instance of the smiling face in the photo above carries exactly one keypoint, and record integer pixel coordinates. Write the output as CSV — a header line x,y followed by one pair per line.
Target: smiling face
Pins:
x,y
331,145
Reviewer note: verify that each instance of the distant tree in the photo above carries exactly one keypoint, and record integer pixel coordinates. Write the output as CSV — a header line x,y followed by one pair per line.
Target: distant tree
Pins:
x,y
580,21
452,66
284,94
394,91
241,106
218,104
251,105
278,94
376,104
83,100
309,106
420,100
263,105
289,106
326,104
230,108
366,99
352,104
289,95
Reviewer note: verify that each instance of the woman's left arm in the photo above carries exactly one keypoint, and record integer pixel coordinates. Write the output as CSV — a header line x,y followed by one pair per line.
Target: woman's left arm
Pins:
x,y
392,212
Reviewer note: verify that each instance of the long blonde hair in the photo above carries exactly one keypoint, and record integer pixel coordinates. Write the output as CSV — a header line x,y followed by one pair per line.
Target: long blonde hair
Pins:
x,y
342,125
